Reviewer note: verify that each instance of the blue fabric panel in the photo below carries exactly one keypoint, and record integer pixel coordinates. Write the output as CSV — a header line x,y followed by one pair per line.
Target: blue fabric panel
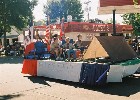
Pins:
x,y
93,74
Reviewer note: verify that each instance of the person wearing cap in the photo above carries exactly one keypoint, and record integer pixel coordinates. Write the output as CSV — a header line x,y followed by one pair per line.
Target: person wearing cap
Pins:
x,y
79,44
69,47
56,36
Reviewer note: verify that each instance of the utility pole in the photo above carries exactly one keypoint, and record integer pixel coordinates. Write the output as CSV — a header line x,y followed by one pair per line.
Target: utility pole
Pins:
x,y
87,9
47,16
4,28
114,23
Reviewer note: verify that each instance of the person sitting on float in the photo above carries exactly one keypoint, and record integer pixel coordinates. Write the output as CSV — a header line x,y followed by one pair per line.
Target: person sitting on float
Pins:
x,y
55,49
56,36
79,44
69,47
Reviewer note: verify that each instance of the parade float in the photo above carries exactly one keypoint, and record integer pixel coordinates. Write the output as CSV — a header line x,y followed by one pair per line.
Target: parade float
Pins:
x,y
104,61
107,59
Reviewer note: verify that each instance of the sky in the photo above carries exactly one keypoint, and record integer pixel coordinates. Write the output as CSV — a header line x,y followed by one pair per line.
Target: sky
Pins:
x,y
39,14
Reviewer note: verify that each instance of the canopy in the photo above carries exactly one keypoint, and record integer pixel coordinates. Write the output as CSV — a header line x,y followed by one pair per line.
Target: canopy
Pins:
x,y
121,6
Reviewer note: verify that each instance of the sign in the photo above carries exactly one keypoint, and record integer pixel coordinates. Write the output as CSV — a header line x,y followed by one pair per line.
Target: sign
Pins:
x,y
95,28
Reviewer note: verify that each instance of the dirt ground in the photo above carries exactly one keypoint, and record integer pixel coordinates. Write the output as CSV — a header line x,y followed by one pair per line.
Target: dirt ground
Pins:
x,y
16,86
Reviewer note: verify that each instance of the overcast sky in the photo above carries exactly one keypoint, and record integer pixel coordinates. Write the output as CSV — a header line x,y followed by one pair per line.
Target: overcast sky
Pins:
x,y
38,11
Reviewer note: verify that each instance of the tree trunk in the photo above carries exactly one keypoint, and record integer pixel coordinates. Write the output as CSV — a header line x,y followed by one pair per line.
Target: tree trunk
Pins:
x,y
5,41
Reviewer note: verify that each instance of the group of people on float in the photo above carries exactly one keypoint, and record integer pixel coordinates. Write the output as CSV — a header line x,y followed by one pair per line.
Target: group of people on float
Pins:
x,y
67,46
61,47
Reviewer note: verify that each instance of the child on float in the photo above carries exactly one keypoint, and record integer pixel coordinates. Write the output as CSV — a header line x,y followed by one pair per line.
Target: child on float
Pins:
x,y
69,48
56,49
79,44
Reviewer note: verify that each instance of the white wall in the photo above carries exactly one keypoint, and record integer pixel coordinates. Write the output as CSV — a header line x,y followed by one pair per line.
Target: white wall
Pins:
x,y
21,38
2,40
10,41
85,36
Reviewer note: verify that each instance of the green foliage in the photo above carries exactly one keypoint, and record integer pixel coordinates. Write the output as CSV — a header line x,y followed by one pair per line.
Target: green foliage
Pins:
x,y
39,23
110,21
15,13
135,2
134,20
63,8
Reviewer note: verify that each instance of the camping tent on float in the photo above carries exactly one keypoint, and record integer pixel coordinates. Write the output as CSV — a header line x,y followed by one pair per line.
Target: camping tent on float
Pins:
x,y
114,47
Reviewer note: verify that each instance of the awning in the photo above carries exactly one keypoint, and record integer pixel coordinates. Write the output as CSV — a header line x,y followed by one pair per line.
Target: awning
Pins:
x,y
121,6
10,36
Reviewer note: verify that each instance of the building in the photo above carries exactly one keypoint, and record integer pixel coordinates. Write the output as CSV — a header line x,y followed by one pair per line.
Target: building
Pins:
x,y
88,30
12,36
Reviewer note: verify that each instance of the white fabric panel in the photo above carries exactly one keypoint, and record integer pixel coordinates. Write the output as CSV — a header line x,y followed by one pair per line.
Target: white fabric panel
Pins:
x,y
129,70
138,70
69,71
115,73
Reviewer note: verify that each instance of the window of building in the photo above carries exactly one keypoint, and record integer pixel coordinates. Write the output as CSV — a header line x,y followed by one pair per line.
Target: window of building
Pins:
x,y
119,34
13,40
7,41
103,34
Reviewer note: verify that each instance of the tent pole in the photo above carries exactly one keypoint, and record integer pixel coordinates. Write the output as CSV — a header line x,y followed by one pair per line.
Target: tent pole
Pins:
x,y
114,23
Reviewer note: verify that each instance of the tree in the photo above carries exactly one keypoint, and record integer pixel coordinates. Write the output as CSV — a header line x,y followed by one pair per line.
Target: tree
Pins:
x,y
62,8
135,2
110,21
15,13
39,23
96,20
134,20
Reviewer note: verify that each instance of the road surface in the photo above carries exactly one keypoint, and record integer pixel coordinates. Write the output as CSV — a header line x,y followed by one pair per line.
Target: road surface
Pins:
x,y
16,86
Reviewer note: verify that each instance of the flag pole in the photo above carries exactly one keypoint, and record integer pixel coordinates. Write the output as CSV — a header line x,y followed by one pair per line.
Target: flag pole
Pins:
x,y
62,29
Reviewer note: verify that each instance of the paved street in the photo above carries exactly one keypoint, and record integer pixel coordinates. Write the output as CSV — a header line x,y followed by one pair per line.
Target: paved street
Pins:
x,y
16,86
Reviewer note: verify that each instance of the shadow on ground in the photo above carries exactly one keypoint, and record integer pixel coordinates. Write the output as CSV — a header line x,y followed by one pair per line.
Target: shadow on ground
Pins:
x,y
130,85
11,60
9,97
39,80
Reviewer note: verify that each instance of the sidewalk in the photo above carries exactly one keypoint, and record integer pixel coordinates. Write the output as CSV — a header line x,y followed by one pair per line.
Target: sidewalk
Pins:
x,y
16,86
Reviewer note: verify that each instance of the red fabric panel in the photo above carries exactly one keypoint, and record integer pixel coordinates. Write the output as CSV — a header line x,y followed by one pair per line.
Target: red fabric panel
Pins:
x,y
95,28
105,3
48,47
29,48
30,67
78,52
92,27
